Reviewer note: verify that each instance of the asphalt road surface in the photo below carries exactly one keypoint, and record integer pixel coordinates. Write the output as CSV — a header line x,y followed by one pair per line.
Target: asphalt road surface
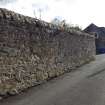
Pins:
x,y
84,86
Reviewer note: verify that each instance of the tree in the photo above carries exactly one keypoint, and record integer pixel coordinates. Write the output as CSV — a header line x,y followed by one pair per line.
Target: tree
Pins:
x,y
63,25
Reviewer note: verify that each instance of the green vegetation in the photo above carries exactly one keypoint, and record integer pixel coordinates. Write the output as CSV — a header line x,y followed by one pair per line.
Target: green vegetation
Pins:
x,y
63,25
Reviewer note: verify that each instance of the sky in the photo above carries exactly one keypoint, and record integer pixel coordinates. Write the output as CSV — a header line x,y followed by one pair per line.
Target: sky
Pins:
x,y
77,12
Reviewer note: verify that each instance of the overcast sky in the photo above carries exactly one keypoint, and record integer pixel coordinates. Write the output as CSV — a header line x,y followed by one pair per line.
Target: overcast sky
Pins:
x,y
80,12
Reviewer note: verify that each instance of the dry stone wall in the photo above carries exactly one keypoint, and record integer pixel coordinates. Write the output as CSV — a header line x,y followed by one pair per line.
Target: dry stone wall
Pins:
x,y
32,51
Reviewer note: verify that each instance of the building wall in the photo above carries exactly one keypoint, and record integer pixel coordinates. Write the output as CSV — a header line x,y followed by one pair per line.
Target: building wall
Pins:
x,y
100,44
32,51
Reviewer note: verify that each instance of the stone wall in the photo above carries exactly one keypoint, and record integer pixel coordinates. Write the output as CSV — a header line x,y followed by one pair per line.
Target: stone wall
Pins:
x,y
32,51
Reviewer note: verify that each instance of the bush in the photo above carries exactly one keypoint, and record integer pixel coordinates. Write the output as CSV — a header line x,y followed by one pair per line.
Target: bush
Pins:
x,y
65,26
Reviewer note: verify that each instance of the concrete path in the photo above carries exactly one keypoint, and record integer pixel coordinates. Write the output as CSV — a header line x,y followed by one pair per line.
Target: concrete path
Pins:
x,y
85,86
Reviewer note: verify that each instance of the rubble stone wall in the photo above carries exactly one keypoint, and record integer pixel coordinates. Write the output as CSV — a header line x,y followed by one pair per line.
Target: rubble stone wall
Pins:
x,y
32,51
